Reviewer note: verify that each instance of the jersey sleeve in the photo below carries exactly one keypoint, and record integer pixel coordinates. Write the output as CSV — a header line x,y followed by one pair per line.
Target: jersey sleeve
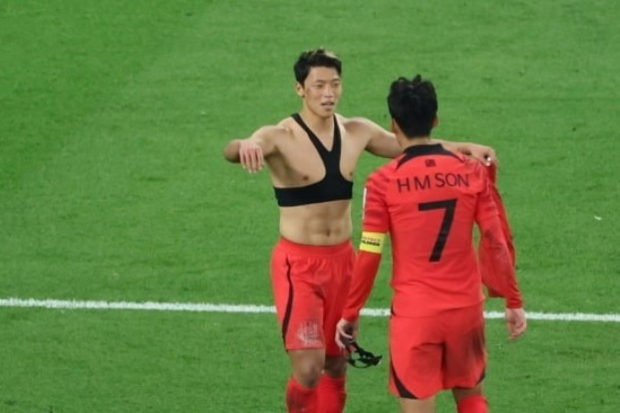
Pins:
x,y
374,230
375,213
496,250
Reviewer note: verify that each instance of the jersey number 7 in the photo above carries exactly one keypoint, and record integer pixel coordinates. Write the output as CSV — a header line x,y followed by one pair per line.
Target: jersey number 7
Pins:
x,y
449,205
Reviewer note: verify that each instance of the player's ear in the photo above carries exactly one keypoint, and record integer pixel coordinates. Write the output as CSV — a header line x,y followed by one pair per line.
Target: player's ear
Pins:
x,y
436,121
299,89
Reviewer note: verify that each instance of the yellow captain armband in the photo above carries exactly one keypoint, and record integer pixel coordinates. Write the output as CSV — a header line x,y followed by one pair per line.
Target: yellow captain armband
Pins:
x,y
372,242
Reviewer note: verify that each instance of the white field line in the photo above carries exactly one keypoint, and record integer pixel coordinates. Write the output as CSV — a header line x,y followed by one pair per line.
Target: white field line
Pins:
x,y
255,309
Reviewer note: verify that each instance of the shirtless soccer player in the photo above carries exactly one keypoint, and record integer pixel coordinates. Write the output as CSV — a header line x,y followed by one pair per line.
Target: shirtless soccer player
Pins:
x,y
311,157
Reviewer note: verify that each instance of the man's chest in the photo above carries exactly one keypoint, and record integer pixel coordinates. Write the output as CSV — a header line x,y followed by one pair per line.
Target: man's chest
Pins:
x,y
303,161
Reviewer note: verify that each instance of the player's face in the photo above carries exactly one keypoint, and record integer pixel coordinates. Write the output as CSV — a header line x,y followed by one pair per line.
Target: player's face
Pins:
x,y
321,91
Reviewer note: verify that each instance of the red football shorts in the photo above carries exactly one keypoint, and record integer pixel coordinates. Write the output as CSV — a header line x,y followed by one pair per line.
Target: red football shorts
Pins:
x,y
430,354
310,286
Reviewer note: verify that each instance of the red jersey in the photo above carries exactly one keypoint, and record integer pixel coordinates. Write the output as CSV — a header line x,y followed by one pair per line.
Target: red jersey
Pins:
x,y
428,199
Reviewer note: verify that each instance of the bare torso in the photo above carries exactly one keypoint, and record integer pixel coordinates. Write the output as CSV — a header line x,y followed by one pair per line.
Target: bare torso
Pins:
x,y
297,163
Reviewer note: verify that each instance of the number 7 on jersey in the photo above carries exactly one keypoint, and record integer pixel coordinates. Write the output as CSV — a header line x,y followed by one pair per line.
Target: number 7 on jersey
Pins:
x,y
446,223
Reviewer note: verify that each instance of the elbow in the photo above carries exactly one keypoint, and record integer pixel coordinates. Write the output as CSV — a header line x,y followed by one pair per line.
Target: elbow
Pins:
x,y
231,151
228,156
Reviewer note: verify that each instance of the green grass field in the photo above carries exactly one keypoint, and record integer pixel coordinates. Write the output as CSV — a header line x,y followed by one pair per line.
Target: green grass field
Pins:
x,y
113,116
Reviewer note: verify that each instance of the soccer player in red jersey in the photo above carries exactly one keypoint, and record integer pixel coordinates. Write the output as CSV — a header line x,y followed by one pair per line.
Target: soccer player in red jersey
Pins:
x,y
428,200
311,157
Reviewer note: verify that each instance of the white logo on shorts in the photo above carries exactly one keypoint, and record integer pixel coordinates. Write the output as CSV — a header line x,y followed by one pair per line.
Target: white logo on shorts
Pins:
x,y
309,334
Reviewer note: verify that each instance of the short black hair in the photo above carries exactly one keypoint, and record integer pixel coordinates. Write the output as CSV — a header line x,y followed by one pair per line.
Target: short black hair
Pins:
x,y
315,58
413,105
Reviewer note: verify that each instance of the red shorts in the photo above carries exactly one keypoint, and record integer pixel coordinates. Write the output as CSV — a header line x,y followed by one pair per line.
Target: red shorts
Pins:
x,y
430,354
310,286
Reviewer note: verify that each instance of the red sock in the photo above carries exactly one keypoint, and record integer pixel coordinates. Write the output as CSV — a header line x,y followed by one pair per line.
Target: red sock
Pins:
x,y
473,404
332,394
300,399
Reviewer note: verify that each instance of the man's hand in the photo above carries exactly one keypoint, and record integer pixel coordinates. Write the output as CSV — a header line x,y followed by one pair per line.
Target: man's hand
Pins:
x,y
515,322
346,329
251,156
481,153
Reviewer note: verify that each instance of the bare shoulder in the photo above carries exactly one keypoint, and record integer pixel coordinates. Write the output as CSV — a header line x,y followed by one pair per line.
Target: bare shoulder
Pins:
x,y
373,137
361,128
359,125
274,132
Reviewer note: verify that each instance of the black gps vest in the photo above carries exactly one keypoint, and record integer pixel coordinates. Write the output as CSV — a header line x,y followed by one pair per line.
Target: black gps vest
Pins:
x,y
333,187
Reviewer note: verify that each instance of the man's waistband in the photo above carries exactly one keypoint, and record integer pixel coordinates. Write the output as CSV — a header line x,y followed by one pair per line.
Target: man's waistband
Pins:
x,y
316,250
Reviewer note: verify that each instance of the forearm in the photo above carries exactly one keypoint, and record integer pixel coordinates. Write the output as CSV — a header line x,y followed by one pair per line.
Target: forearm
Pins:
x,y
483,154
503,265
499,275
364,274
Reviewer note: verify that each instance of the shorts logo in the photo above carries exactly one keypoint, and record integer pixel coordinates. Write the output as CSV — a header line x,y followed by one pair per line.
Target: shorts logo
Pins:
x,y
309,334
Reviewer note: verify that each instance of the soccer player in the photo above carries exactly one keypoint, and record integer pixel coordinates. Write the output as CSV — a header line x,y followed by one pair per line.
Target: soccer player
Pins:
x,y
428,200
311,157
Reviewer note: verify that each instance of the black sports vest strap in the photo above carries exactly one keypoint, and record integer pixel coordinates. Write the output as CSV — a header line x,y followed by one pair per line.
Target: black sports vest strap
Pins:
x,y
333,187
331,159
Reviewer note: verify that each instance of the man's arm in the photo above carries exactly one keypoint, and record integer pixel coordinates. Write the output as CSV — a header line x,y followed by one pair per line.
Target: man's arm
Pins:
x,y
484,154
383,143
503,279
380,142
251,152
501,276
231,151
364,275
497,262
374,230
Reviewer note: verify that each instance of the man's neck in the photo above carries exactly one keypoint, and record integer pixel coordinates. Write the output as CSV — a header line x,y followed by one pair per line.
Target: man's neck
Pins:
x,y
418,141
317,123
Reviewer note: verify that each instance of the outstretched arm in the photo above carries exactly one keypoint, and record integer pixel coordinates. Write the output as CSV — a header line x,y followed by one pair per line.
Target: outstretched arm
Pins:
x,y
383,143
484,154
251,152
